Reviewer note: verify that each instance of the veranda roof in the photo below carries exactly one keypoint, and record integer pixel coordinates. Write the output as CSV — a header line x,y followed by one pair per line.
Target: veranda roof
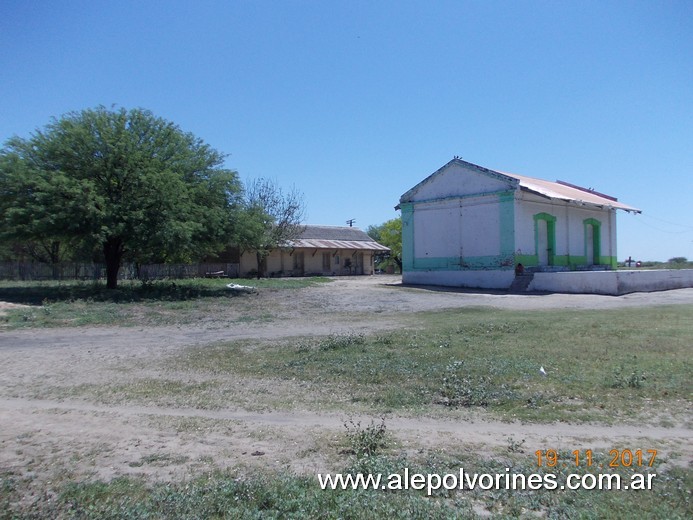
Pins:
x,y
336,237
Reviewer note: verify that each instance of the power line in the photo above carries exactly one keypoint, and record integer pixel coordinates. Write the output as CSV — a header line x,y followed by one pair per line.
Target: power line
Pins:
x,y
687,226
672,232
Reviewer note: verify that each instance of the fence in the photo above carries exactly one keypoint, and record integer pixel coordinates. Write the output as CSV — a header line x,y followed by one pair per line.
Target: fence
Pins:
x,y
81,271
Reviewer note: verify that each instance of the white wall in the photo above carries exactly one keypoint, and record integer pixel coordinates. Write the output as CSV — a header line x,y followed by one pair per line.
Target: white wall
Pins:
x,y
437,230
456,181
570,229
576,282
480,227
443,229
612,282
471,279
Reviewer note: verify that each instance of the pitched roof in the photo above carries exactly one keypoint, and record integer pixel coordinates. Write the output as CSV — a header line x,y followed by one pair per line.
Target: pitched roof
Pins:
x,y
336,237
569,192
558,190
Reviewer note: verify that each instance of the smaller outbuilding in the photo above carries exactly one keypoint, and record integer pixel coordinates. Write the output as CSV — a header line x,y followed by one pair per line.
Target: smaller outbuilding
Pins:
x,y
320,250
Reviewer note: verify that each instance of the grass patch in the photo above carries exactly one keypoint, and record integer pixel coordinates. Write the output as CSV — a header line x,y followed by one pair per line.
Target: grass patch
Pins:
x,y
160,459
170,391
203,395
163,302
284,495
128,291
601,365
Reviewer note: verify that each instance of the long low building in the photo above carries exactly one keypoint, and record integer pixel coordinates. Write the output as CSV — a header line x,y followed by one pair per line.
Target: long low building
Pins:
x,y
320,250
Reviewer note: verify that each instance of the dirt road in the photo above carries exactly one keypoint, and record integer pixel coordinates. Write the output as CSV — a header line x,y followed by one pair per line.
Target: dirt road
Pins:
x,y
51,431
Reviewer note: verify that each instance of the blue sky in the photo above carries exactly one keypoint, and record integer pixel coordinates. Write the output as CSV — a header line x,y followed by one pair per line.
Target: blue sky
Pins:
x,y
354,102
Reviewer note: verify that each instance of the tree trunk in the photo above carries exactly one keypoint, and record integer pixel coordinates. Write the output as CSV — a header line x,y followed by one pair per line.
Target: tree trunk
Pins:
x,y
55,259
113,253
259,257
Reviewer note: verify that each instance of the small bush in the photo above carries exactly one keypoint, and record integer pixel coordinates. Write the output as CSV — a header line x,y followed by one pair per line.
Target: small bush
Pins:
x,y
366,441
622,379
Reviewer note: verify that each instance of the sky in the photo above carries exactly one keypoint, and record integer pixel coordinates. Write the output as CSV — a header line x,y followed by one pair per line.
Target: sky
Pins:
x,y
355,102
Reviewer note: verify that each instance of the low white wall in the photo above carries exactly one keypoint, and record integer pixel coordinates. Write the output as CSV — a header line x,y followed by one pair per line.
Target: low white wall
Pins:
x,y
578,282
472,279
612,282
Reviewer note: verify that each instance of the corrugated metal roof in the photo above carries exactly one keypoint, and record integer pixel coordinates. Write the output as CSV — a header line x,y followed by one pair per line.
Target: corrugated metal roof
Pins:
x,y
335,233
554,190
336,237
313,243
564,191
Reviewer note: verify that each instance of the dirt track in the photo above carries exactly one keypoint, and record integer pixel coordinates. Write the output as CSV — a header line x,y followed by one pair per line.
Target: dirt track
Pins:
x,y
51,433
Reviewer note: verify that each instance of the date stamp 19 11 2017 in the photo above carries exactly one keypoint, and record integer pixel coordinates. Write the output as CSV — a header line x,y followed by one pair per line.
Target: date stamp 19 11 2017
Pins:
x,y
639,458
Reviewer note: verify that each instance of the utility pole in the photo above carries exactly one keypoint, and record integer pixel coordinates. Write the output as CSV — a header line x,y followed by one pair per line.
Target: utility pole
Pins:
x,y
351,222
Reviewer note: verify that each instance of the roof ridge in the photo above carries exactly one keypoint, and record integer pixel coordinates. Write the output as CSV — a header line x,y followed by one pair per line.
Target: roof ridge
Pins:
x,y
588,190
560,190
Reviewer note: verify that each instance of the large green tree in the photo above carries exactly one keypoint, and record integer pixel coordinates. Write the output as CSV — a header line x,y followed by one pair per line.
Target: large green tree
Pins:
x,y
389,234
126,181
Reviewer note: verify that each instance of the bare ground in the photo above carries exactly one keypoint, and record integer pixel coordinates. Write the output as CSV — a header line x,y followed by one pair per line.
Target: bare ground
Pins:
x,y
50,433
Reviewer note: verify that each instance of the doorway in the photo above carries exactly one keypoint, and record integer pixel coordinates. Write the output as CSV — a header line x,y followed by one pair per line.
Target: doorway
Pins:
x,y
545,238
299,262
592,241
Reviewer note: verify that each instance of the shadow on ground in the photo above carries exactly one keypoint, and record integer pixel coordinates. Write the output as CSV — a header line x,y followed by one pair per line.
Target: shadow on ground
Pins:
x,y
125,293
463,290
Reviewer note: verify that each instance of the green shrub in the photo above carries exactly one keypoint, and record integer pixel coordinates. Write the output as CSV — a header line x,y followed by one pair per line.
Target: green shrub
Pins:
x,y
366,441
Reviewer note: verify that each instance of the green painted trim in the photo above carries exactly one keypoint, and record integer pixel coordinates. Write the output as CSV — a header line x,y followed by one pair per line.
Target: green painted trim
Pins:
x,y
527,260
407,209
561,261
506,219
609,260
577,261
572,262
550,238
467,263
596,239
460,197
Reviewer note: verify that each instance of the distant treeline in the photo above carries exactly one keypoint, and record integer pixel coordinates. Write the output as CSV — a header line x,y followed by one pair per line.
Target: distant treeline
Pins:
x,y
678,262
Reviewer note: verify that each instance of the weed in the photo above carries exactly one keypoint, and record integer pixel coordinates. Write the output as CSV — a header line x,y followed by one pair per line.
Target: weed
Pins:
x,y
622,379
479,329
341,342
461,389
366,441
162,459
515,446
539,399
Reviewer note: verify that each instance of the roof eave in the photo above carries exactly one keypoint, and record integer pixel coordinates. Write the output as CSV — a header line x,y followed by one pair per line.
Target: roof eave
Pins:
x,y
606,205
408,195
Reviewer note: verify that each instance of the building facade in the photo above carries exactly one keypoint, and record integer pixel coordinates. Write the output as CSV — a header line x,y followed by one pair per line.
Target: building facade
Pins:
x,y
320,250
466,225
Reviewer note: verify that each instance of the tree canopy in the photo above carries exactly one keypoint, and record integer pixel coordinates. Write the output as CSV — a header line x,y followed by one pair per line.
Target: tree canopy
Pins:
x,y
389,234
271,218
125,181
